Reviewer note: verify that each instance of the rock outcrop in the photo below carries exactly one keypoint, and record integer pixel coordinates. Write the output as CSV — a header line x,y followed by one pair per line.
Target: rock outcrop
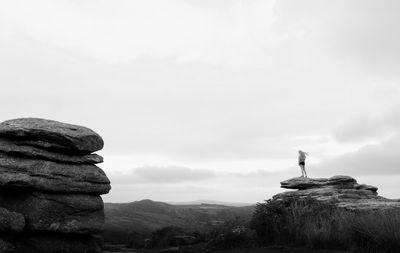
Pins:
x,y
344,191
52,135
50,187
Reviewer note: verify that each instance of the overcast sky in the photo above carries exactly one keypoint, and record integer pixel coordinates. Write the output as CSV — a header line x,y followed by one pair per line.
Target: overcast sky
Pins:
x,y
212,99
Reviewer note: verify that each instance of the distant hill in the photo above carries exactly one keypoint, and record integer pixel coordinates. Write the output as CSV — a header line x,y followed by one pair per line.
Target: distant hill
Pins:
x,y
124,220
213,202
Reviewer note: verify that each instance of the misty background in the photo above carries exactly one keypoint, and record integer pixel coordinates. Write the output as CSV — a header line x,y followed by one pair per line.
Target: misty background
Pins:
x,y
212,99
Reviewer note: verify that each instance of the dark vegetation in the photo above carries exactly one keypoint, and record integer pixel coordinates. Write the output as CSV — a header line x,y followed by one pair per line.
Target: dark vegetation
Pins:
x,y
294,223
314,224
132,223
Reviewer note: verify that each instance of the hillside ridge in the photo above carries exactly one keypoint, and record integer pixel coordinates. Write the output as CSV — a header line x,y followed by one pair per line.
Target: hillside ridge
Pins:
x,y
146,216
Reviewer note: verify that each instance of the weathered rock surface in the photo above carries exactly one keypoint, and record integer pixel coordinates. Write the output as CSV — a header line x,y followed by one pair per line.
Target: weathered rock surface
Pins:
x,y
52,135
11,221
65,213
344,191
52,176
49,187
12,148
302,183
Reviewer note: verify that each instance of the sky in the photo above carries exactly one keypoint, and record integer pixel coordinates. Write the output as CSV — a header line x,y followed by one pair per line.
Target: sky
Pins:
x,y
212,99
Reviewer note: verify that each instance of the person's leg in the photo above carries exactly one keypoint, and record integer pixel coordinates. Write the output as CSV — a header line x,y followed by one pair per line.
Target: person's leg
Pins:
x,y
302,169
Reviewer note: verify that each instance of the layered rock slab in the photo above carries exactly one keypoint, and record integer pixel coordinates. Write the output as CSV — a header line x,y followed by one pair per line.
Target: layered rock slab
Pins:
x,y
302,183
52,135
64,213
50,187
344,191
15,149
52,176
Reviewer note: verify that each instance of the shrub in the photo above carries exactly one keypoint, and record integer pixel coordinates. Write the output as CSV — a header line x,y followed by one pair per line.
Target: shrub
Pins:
x,y
235,233
163,237
269,221
299,221
311,223
239,237
377,231
137,240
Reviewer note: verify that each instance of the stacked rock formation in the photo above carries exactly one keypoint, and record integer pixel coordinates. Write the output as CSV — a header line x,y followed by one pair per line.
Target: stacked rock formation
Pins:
x,y
50,187
344,191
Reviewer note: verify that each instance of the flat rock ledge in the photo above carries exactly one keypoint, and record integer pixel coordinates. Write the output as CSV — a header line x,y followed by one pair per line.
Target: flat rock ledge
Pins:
x,y
52,135
52,176
344,191
16,149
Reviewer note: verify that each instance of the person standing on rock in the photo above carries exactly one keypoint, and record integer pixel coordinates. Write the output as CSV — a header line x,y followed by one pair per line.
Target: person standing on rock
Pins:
x,y
302,162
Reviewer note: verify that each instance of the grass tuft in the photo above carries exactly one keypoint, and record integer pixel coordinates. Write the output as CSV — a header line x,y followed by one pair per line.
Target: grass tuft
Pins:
x,y
307,222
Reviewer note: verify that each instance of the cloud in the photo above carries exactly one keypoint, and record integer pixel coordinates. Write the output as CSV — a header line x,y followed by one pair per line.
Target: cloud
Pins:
x,y
127,30
213,82
184,79
192,80
370,127
364,30
176,183
378,137
381,159
180,174
163,174
361,129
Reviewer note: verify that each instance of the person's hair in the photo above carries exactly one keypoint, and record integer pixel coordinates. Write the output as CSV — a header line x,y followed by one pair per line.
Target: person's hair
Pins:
x,y
300,151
